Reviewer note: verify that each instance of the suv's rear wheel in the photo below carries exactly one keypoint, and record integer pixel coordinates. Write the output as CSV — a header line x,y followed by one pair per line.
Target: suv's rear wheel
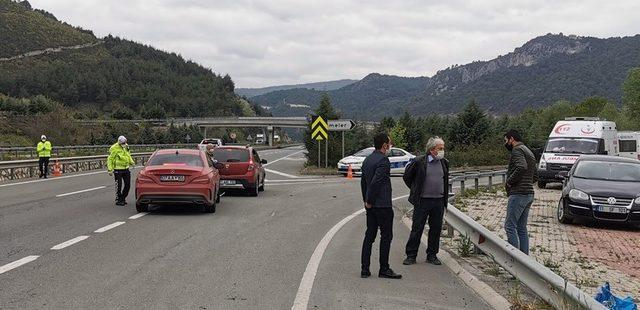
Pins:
x,y
261,188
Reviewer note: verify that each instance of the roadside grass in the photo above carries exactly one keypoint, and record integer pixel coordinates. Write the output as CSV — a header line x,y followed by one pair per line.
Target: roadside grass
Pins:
x,y
313,170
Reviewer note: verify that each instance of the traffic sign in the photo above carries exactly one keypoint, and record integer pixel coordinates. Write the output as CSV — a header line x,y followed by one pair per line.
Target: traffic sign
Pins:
x,y
319,128
341,125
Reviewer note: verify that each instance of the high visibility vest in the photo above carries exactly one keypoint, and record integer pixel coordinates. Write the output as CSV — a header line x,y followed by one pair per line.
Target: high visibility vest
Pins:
x,y
44,149
119,158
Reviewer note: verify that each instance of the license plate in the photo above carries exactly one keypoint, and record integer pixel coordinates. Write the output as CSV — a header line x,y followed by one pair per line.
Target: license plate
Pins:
x,y
227,182
612,209
172,178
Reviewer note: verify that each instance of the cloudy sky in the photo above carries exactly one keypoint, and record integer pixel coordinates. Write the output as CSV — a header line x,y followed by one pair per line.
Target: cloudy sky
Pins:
x,y
265,43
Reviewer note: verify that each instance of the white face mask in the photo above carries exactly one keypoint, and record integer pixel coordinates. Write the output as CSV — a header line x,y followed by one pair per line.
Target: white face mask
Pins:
x,y
440,155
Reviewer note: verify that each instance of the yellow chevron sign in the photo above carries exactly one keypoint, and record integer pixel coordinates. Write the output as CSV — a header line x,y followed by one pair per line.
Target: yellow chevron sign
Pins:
x,y
319,128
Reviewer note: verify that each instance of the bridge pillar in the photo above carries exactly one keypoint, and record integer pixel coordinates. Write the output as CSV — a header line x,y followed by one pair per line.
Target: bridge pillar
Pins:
x,y
270,135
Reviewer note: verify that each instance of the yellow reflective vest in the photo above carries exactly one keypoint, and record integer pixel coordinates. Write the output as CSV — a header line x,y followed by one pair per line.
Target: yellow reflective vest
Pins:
x,y
119,158
44,149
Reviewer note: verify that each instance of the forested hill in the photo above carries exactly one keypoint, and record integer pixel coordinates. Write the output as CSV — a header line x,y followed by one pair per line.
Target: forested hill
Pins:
x,y
544,70
119,77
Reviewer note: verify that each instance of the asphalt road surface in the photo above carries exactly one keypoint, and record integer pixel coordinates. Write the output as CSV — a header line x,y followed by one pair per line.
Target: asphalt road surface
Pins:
x,y
65,245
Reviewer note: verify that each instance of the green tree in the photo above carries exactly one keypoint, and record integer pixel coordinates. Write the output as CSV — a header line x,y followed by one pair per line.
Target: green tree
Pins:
x,y
631,94
397,134
471,127
590,107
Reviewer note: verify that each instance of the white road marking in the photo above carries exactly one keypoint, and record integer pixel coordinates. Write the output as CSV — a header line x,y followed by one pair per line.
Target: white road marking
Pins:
x,y
18,263
69,243
139,215
279,159
299,180
282,174
82,191
306,284
303,183
110,226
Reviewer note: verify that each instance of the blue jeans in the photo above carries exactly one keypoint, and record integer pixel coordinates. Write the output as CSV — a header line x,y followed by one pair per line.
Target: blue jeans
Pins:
x,y
515,224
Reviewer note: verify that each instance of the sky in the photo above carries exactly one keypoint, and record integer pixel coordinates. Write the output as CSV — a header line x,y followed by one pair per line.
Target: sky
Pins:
x,y
276,42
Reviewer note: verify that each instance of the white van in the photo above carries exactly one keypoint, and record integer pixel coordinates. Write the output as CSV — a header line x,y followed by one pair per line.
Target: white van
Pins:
x,y
571,138
629,142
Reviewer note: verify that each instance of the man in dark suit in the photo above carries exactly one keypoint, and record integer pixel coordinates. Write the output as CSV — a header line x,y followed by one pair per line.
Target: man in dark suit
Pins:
x,y
376,194
428,178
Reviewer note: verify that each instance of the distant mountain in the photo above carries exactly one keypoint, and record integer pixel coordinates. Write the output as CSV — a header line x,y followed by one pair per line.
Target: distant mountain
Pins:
x,y
40,55
542,71
321,86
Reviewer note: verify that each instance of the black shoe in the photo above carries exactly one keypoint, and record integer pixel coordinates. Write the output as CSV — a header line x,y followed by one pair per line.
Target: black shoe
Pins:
x,y
409,261
45,176
120,203
433,260
365,274
389,274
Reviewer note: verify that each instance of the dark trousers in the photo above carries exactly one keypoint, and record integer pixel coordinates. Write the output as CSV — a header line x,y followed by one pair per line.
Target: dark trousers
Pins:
x,y
43,166
433,210
378,218
122,176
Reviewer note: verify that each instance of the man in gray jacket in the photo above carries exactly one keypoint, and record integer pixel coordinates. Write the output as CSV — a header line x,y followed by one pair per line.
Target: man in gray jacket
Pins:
x,y
519,186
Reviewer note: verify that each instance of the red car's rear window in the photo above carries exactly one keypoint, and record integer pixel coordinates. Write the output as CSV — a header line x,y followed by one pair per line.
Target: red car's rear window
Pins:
x,y
176,159
230,155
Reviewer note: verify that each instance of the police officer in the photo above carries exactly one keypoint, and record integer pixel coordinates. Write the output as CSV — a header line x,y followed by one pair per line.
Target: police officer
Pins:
x,y
44,153
118,165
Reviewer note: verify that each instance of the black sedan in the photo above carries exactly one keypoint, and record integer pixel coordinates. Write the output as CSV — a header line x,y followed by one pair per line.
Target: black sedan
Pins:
x,y
601,188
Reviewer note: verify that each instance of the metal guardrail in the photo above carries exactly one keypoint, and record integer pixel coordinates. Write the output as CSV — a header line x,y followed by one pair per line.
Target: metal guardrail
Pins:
x,y
30,152
551,287
20,169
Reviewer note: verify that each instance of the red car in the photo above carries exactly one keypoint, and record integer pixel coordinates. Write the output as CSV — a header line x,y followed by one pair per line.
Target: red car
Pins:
x,y
178,176
242,168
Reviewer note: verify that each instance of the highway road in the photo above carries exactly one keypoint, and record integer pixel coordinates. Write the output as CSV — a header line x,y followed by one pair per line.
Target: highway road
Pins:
x,y
65,245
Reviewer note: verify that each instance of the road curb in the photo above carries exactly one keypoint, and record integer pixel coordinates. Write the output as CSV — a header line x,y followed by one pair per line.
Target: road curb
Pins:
x,y
486,292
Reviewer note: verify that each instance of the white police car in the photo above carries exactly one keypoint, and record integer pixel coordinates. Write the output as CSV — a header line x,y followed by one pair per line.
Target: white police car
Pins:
x,y
399,159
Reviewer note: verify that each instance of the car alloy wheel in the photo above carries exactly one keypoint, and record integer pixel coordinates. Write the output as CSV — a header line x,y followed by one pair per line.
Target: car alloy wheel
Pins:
x,y
562,214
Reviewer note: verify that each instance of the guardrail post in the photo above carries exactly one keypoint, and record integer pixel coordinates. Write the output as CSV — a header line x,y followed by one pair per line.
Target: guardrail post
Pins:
x,y
450,187
462,186
11,174
476,183
490,184
504,178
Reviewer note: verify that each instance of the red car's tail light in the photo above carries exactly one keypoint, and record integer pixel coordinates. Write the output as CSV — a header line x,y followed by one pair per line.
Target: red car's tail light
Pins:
x,y
251,166
143,178
201,180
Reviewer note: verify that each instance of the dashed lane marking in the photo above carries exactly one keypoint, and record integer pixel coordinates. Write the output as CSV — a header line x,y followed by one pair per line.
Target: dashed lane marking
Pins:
x,y
108,227
17,263
139,215
69,243
82,191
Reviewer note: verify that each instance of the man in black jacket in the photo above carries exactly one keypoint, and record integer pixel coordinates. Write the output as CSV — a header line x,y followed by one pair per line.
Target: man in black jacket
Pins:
x,y
519,186
428,178
376,195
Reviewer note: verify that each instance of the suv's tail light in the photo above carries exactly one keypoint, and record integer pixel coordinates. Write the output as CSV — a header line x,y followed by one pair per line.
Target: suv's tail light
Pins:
x,y
251,166
201,180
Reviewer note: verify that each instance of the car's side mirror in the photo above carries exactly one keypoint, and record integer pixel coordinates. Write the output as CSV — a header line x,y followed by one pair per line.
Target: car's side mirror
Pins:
x,y
218,165
563,174
264,161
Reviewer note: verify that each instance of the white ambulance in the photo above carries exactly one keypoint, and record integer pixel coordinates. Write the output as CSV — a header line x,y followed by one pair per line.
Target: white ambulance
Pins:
x,y
571,138
629,142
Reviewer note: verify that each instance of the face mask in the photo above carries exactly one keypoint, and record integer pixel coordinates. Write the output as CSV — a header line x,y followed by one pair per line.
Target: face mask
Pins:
x,y
440,155
508,146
